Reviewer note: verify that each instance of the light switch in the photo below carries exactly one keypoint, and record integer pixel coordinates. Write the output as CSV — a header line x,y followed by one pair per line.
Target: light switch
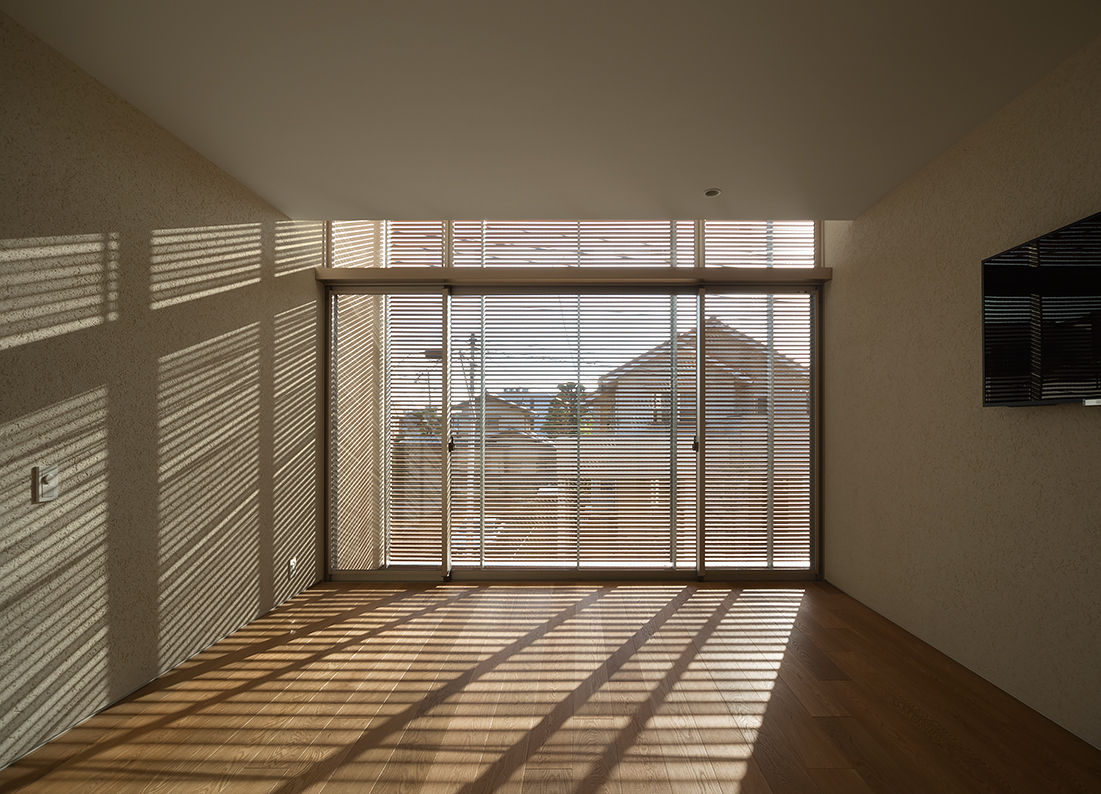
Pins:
x,y
44,483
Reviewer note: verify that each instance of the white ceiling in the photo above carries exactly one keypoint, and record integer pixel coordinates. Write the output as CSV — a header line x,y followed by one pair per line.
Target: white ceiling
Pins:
x,y
524,109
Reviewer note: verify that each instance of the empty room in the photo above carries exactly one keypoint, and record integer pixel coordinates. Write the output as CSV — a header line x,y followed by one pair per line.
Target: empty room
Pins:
x,y
550,397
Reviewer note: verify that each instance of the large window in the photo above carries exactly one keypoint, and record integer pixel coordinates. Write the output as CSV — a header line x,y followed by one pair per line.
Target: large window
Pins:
x,y
665,428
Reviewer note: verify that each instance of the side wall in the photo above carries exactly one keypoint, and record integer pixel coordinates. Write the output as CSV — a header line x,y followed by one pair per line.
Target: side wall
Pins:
x,y
159,343
977,529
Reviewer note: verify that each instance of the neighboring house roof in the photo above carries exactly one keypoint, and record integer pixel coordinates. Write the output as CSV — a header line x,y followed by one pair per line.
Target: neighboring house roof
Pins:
x,y
718,357
496,405
492,398
711,326
535,401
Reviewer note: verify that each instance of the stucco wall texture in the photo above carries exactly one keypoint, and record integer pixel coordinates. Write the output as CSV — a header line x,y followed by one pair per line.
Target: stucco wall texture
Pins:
x,y
159,336
977,529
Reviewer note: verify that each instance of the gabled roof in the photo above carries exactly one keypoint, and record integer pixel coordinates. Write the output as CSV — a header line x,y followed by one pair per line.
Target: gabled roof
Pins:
x,y
491,397
712,325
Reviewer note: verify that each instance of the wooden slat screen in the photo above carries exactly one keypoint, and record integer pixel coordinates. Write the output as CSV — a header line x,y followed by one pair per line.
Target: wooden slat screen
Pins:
x,y
358,244
514,243
415,243
388,394
637,478
414,395
357,460
569,431
573,243
387,243
513,494
758,243
757,428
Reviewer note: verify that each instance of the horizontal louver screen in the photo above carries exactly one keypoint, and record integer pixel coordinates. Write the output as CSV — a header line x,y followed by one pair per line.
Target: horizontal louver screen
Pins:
x,y
358,244
572,419
415,243
758,243
572,445
757,429
357,497
637,478
513,484
573,243
387,243
388,395
414,412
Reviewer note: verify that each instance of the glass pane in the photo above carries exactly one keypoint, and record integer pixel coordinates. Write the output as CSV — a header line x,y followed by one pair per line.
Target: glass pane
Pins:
x,y
757,427
387,448
565,418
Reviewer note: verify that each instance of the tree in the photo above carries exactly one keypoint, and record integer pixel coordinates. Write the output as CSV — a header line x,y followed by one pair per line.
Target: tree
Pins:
x,y
425,421
563,415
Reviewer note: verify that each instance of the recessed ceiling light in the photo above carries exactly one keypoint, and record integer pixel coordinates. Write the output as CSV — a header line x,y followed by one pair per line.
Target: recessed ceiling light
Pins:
x,y
711,192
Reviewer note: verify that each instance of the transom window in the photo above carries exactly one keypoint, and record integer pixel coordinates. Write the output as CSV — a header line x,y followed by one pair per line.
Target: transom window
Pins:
x,y
744,244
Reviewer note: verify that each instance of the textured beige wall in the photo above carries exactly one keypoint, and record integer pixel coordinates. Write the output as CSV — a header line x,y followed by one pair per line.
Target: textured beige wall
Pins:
x,y
977,529
159,342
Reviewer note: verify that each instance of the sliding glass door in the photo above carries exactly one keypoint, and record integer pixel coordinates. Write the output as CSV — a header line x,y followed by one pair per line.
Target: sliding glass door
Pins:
x,y
757,427
386,462
572,420
492,430
513,477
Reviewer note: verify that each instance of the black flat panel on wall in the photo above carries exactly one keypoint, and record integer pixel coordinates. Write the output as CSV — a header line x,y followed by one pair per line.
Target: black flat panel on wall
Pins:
x,y
1042,319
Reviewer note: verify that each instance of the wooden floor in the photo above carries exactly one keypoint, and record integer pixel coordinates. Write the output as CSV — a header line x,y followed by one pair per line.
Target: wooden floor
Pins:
x,y
566,688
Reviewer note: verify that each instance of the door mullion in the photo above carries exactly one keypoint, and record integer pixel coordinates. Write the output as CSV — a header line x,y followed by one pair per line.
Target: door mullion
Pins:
x,y
701,434
446,444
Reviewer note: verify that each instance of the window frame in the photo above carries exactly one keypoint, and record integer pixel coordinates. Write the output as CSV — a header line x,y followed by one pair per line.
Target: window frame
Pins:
x,y
450,280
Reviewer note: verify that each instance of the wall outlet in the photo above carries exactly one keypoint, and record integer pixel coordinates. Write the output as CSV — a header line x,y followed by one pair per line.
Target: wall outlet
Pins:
x,y
292,563
44,483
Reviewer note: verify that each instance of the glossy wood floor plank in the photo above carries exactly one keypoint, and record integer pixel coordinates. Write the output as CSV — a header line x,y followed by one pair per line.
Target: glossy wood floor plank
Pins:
x,y
578,688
